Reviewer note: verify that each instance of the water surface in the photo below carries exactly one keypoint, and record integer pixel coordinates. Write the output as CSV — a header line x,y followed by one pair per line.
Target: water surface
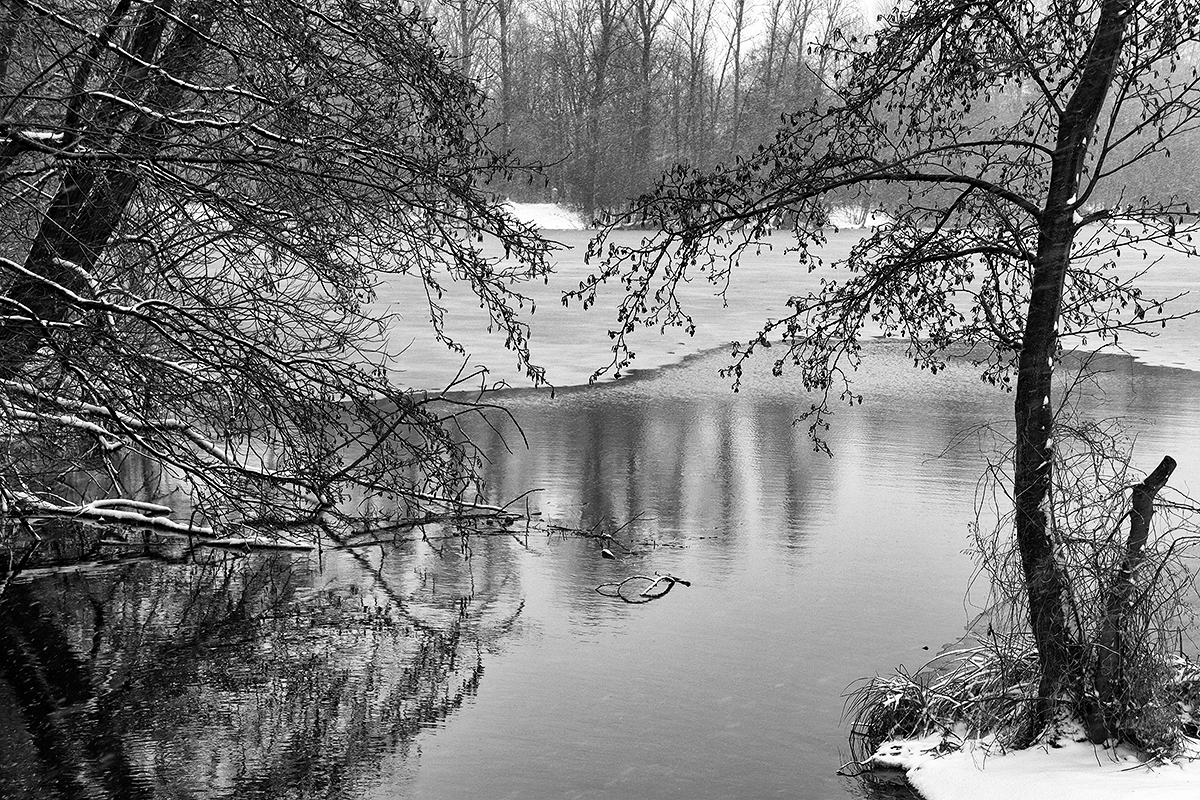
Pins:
x,y
492,668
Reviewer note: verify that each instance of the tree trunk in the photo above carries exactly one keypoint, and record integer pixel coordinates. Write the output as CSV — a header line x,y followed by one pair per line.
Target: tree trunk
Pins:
x,y
739,24
466,34
1058,654
1110,656
1044,582
607,21
503,9
646,24
88,207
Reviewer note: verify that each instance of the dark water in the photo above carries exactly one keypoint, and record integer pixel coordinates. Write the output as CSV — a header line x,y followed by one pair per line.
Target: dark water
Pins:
x,y
492,668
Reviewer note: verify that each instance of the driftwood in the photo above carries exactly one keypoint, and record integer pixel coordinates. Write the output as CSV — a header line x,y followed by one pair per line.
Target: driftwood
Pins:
x,y
627,589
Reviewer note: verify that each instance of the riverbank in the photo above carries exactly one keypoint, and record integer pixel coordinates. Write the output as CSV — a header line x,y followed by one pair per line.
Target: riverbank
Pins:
x,y
1064,771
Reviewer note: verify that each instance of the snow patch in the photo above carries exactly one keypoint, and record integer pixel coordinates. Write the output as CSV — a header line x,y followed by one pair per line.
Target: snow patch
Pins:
x,y
547,216
554,217
1066,770
845,217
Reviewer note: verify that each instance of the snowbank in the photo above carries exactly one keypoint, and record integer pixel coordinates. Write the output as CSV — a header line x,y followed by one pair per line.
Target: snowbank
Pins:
x,y
553,217
1068,771
547,216
847,217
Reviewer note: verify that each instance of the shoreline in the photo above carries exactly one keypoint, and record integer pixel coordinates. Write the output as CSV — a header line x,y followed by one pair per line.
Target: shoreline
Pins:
x,y
870,344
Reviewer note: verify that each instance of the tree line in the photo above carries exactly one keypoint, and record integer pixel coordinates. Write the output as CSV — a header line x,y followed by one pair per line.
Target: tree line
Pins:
x,y
606,94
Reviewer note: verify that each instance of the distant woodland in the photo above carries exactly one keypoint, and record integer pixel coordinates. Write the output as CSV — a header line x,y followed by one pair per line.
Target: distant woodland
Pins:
x,y
606,94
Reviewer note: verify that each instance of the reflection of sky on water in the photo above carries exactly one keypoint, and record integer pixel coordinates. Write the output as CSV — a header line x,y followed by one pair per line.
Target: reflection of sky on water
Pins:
x,y
808,572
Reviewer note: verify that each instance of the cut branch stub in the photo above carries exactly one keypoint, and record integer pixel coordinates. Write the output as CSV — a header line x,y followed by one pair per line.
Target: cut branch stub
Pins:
x,y
1102,721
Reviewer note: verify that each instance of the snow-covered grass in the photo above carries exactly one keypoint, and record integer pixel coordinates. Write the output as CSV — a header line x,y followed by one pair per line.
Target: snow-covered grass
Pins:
x,y
955,726
547,216
1064,770
952,728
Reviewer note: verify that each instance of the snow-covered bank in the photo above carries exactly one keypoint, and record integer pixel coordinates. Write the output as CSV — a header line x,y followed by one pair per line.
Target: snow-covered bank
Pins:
x,y
1068,770
852,218
554,217
547,216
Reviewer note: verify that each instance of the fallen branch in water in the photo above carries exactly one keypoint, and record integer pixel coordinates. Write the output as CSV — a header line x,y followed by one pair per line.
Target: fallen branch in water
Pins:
x,y
649,591
129,513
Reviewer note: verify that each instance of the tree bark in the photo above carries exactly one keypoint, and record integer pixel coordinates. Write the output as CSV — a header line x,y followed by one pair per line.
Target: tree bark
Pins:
x,y
1110,657
1058,653
89,206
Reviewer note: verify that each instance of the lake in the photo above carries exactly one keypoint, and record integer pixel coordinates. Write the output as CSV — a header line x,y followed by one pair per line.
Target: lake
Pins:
x,y
491,667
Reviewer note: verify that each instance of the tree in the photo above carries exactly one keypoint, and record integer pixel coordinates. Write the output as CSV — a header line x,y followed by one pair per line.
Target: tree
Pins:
x,y
692,30
647,18
199,199
1004,124
504,15
733,63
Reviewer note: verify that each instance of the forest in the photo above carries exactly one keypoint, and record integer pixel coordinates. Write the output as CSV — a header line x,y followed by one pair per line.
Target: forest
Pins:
x,y
607,94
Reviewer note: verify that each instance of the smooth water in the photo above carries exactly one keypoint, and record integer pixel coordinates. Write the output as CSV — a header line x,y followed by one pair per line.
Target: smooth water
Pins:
x,y
434,669
491,667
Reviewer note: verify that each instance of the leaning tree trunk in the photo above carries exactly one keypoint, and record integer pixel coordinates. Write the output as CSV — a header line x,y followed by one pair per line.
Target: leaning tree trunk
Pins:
x,y
88,207
1058,657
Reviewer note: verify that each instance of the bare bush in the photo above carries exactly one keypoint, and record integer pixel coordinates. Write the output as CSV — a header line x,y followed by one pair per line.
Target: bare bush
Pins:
x,y
1139,684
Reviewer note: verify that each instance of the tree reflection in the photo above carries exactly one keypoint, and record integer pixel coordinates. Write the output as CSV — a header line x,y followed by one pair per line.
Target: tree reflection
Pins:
x,y
256,676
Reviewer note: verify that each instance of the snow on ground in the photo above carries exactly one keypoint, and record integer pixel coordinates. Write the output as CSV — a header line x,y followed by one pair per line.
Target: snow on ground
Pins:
x,y
553,217
1071,771
547,216
847,217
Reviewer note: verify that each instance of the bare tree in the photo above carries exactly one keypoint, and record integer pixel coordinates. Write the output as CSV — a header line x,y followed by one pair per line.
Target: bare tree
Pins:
x,y
605,29
648,18
471,22
693,31
738,22
505,9
199,198
1000,245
